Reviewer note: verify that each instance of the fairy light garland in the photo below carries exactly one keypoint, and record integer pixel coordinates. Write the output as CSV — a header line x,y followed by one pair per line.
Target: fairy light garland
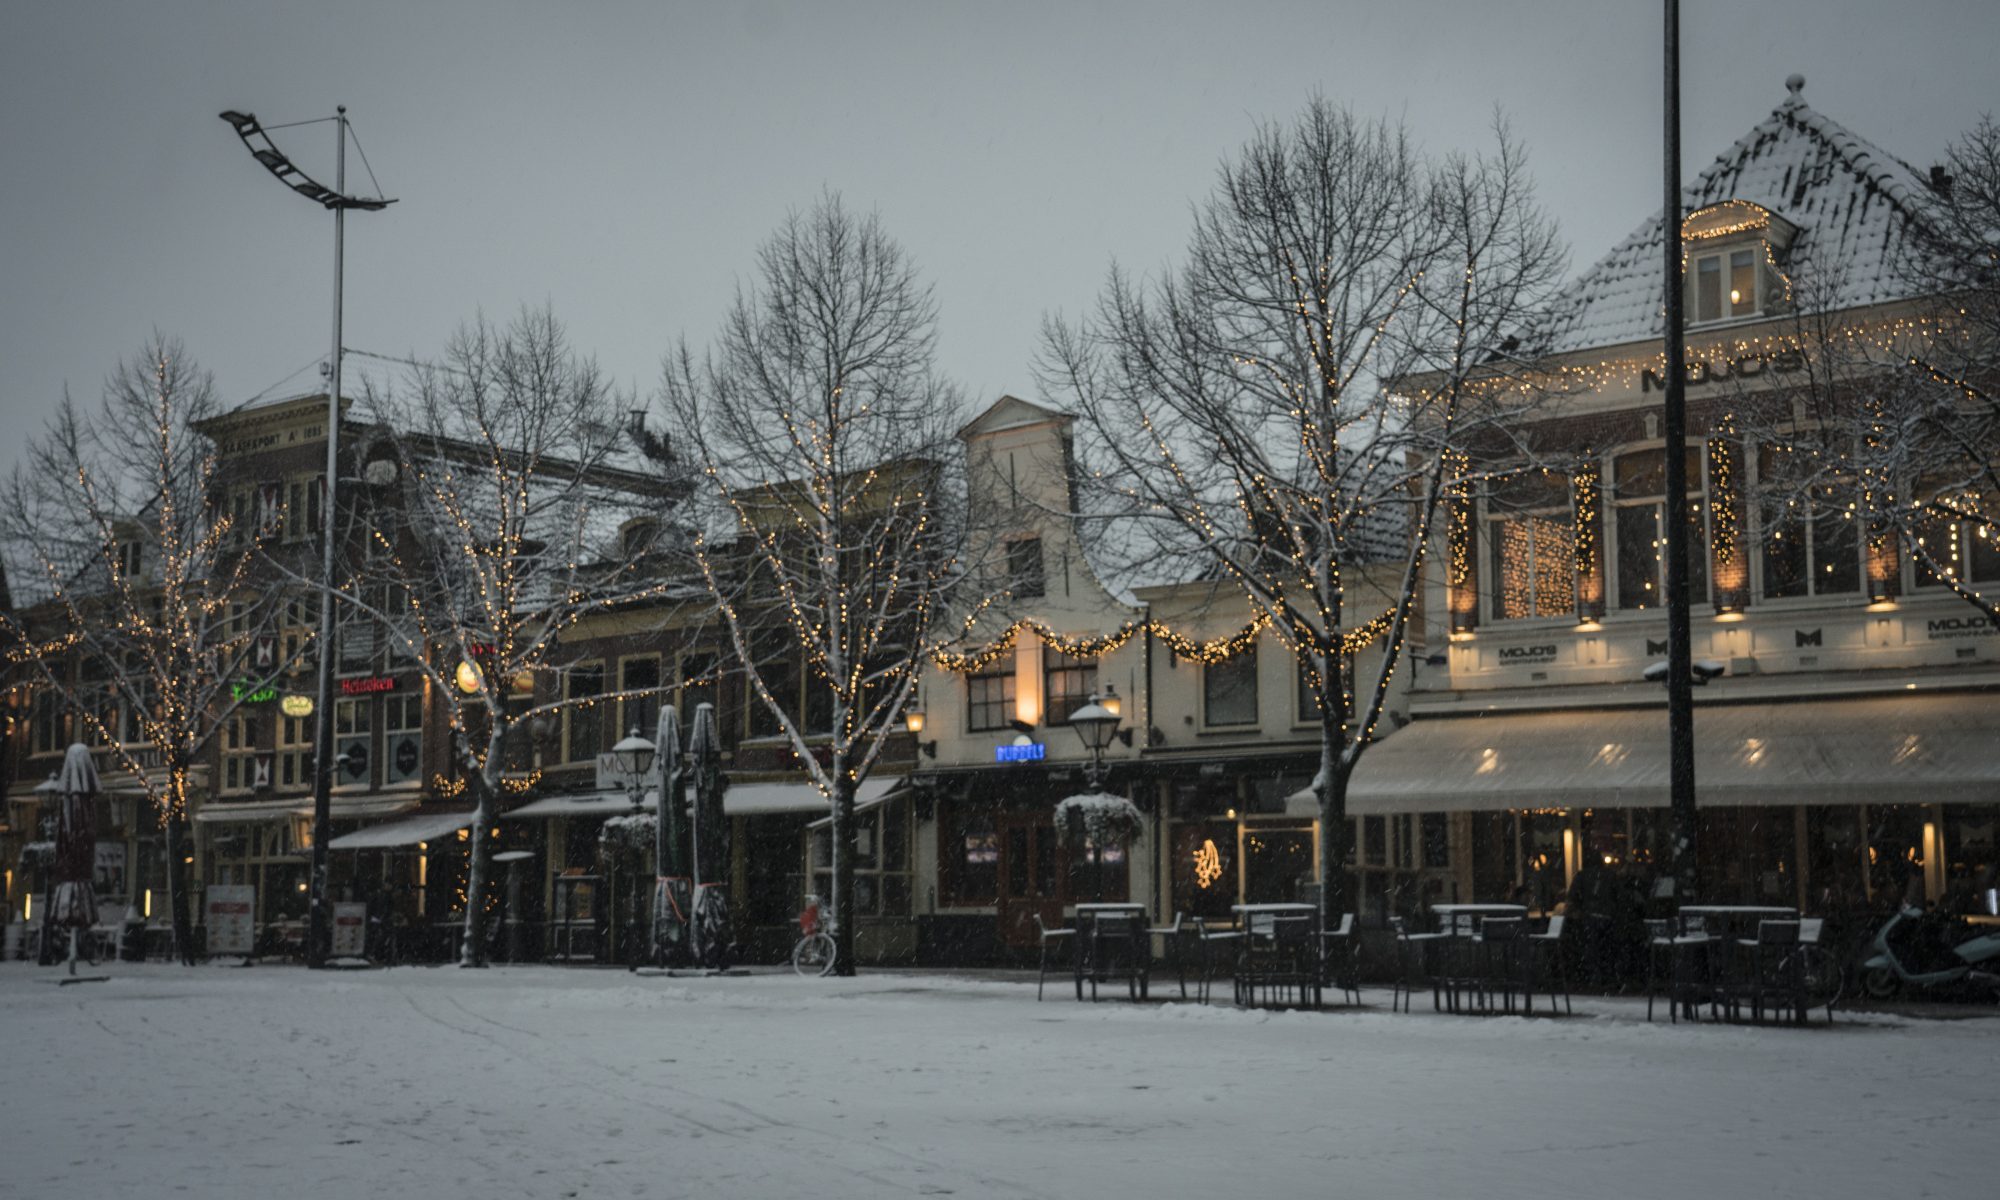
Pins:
x,y
1586,495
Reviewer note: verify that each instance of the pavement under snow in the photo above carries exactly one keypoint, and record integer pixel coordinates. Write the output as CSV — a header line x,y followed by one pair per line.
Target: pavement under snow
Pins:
x,y
542,1082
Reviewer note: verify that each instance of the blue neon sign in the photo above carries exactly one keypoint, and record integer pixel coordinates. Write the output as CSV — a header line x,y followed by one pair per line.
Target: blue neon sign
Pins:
x,y
1032,752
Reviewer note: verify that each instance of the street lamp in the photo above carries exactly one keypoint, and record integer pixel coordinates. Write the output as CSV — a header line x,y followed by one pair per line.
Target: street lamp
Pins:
x,y
634,757
1096,724
258,142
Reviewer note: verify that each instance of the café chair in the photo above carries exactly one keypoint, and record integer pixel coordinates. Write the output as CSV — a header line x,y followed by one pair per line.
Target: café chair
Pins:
x,y
1502,962
1116,951
1173,949
1214,944
1544,962
1413,964
1051,939
1339,958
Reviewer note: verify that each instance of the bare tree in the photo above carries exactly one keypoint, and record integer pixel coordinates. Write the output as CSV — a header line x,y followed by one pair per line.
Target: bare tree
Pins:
x,y
1286,403
1887,431
521,508
140,612
824,428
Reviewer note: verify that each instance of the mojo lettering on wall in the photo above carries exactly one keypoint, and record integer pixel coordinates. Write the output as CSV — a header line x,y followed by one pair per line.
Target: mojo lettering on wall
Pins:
x,y
1939,629
1526,656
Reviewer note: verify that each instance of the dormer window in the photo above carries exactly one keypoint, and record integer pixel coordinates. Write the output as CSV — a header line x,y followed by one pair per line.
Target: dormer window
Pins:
x,y
1733,249
1725,285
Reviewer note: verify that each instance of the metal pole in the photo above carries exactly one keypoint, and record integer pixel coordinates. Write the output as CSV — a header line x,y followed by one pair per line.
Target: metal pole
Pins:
x,y
320,931
1680,674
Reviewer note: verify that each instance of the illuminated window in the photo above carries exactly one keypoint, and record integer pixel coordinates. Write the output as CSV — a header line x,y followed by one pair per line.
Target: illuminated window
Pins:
x,y
1068,682
1725,285
1532,532
1966,549
989,699
1811,540
1639,491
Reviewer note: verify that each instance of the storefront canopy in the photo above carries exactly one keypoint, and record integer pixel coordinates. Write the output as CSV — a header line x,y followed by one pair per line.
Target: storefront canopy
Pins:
x,y
584,804
342,808
1895,749
870,797
756,799
423,827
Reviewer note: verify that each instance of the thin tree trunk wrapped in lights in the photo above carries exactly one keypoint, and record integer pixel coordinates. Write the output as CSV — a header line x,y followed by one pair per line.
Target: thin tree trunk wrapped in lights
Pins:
x,y
1461,550
139,591
833,530
518,473
1284,406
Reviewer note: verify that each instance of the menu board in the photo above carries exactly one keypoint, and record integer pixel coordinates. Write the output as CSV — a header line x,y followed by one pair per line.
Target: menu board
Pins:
x,y
350,930
231,915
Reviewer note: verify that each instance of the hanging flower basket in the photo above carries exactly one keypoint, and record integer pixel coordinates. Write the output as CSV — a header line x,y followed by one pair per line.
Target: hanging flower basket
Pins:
x,y
1107,820
625,842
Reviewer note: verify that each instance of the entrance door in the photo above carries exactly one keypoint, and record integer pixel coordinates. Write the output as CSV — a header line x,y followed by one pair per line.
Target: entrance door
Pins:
x,y
1031,879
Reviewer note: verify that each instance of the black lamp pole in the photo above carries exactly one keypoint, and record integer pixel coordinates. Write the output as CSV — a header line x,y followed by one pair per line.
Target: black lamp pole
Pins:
x,y
1680,670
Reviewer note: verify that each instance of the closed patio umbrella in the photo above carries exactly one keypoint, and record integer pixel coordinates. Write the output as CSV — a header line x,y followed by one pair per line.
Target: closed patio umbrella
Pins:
x,y
73,901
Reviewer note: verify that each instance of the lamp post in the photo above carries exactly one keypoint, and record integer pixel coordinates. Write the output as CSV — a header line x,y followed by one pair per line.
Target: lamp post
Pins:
x,y
320,932
1096,723
634,756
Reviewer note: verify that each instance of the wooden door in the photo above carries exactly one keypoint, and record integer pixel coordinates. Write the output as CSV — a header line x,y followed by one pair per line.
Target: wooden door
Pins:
x,y
1031,877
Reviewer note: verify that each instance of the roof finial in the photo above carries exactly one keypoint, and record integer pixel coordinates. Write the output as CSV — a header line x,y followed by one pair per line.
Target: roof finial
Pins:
x,y
1795,83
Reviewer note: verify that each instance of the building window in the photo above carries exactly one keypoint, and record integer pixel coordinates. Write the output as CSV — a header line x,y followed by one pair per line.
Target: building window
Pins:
x,y
1724,285
303,500
989,700
239,754
1966,550
132,716
583,721
641,712
403,738
881,860
970,847
1532,530
294,760
1811,546
353,742
1229,690
1026,577
47,724
1639,490
1067,682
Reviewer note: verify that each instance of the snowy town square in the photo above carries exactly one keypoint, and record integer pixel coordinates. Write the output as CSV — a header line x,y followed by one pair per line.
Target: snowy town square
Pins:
x,y
539,1082
1151,598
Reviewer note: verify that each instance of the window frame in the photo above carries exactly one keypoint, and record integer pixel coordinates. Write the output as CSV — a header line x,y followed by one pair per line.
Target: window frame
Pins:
x,y
1494,513
1056,663
1700,510
1009,682
1246,660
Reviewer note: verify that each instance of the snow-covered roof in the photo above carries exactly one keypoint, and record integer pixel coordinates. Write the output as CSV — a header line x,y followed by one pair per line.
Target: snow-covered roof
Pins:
x,y
1852,202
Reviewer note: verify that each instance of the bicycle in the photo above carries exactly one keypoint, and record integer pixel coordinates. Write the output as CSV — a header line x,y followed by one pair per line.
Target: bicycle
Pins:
x,y
814,953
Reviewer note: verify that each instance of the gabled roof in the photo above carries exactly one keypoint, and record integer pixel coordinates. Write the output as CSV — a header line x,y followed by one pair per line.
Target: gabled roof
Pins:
x,y
1011,412
1852,202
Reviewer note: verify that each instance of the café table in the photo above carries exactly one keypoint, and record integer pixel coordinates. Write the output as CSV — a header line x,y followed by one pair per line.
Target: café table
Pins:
x,y
1471,971
1269,960
1711,938
1094,956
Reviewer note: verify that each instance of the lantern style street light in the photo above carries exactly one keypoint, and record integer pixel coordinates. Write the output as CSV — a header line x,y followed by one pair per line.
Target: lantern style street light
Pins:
x,y
257,140
634,757
1096,723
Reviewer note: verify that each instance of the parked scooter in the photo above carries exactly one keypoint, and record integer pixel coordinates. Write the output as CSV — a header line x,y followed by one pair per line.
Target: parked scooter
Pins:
x,y
1919,949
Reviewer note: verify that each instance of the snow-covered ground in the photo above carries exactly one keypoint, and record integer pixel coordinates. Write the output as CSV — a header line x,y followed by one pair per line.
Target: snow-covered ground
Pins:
x,y
441,1083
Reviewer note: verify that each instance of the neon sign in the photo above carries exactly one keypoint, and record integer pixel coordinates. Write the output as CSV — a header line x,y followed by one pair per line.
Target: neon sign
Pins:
x,y
1032,752
250,694
367,686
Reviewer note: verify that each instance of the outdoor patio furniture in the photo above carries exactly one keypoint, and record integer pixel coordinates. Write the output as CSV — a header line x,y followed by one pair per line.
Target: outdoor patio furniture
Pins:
x,y
1050,939
1278,955
1172,948
1499,960
1775,970
1544,963
1340,958
1216,947
1111,948
1413,965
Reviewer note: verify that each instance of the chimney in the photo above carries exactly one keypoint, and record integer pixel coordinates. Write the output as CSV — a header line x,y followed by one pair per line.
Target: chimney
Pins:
x,y
1941,181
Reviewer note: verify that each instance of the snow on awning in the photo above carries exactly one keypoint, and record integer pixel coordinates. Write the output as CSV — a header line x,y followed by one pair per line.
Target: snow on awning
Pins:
x,y
409,831
216,811
869,795
583,804
1896,749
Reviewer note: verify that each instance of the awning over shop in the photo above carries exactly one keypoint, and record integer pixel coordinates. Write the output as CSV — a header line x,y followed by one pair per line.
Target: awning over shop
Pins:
x,y
217,811
409,831
1894,749
866,801
341,808
757,799
583,804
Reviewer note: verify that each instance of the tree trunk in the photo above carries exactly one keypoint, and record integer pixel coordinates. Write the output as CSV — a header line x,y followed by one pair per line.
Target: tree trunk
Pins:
x,y
1330,785
472,948
843,868
177,854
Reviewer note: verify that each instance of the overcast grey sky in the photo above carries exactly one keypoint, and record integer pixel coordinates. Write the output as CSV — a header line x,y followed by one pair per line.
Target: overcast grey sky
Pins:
x,y
621,161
